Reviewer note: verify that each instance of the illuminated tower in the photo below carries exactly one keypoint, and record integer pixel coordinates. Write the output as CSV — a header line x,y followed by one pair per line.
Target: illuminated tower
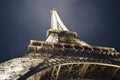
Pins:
x,y
69,58
65,57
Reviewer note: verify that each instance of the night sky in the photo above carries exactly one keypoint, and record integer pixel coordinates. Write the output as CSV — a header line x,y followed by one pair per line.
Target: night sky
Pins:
x,y
96,21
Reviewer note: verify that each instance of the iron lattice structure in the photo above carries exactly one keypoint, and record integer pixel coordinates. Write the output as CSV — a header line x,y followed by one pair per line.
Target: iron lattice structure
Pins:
x,y
65,57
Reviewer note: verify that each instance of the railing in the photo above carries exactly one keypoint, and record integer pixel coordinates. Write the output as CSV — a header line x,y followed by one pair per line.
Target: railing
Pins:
x,y
37,46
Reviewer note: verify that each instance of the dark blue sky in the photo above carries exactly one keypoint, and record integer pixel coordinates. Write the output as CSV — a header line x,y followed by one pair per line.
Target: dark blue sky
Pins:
x,y
96,21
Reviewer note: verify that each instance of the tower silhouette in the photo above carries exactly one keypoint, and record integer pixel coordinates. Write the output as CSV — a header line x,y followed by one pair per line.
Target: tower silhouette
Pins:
x,y
63,56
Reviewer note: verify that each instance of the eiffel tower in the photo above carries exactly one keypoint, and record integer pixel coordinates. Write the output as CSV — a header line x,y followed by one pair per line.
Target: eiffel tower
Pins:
x,y
63,56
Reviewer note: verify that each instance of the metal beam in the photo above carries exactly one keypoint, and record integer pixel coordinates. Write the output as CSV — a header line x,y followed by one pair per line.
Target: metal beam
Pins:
x,y
83,70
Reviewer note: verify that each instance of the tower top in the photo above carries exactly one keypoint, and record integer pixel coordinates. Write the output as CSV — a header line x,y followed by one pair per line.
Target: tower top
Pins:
x,y
56,22
59,32
53,9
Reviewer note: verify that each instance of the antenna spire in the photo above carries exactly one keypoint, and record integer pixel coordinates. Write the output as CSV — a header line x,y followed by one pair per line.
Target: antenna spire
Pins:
x,y
56,22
